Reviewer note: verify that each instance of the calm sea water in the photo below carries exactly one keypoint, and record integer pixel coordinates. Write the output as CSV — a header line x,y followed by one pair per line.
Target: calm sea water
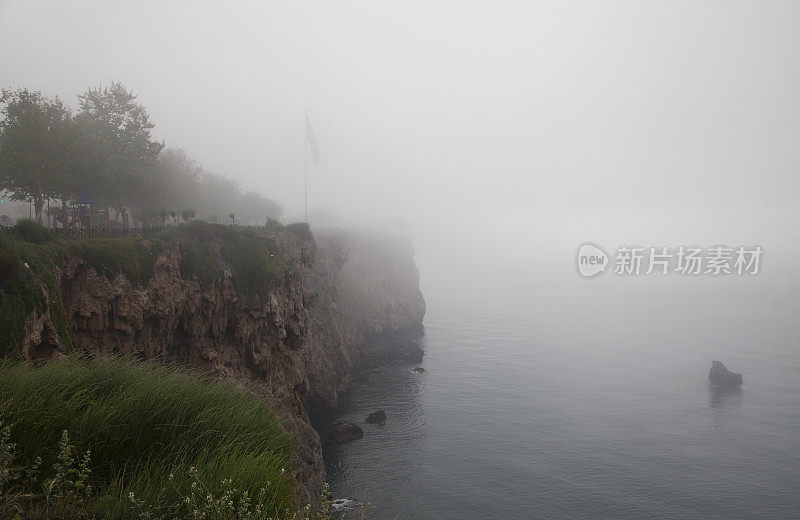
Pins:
x,y
587,400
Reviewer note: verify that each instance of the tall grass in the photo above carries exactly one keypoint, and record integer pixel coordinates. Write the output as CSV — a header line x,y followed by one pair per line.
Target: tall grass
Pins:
x,y
146,425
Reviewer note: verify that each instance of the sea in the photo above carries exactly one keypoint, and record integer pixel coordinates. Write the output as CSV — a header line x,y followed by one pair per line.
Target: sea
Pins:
x,y
556,397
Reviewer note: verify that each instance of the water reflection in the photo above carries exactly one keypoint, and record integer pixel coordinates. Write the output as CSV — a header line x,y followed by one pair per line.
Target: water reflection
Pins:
x,y
721,396
358,470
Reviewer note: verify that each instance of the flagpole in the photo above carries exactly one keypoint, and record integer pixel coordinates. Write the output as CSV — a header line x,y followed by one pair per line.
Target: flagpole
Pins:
x,y
305,164
305,171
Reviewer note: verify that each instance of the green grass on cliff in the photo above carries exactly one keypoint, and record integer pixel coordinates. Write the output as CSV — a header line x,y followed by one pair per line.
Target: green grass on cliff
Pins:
x,y
256,264
27,283
162,440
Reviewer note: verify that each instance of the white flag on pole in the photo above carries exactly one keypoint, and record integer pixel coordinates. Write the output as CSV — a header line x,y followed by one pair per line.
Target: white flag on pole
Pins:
x,y
312,141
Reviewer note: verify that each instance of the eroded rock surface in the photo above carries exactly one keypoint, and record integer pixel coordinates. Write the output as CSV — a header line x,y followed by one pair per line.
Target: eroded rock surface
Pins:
x,y
719,375
344,431
296,346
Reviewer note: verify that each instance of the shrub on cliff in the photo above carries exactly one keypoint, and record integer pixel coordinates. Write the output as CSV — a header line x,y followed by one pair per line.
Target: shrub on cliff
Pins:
x,y
302,230
255,261
143,438
28,267
27,284
32,231
129,256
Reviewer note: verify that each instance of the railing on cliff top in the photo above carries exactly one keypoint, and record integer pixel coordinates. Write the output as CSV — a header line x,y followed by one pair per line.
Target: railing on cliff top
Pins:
x,y
144,231
141,232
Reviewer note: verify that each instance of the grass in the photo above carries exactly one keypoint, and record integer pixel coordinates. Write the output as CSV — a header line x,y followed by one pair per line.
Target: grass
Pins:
x,y
256,262
146,425
302,230
129,256
21,290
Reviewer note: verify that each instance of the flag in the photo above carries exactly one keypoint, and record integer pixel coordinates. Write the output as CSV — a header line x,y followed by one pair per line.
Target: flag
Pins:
x,y
312,141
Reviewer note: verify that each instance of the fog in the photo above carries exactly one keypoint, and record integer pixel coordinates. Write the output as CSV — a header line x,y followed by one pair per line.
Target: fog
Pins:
x,y
520,128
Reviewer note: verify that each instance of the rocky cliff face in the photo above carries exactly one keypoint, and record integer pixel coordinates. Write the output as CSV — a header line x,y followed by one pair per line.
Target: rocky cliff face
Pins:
x,y
297,344
360,286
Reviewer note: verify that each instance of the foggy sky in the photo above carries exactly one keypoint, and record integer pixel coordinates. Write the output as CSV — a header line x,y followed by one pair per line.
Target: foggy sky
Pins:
x,y
503,122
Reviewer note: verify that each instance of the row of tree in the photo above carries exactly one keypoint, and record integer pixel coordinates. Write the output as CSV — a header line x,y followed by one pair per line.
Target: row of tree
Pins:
x,y
106,151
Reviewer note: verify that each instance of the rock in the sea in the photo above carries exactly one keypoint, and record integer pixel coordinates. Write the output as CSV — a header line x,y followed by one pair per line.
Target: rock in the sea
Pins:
x,y
344,431
377,417
419,369
719,375
345,504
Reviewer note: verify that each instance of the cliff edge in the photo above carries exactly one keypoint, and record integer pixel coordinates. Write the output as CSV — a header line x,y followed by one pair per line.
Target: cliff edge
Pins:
x,y
281,313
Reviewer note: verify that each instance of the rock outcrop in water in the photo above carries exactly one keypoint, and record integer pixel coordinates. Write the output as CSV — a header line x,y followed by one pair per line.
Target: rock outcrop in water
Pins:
x,y
719,375
377,417
344,431
295,347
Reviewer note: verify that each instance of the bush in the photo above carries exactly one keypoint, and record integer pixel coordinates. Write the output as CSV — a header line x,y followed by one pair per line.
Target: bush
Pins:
x,y
302,230
32,231
128,256
25,270
142,437
256,262
188,214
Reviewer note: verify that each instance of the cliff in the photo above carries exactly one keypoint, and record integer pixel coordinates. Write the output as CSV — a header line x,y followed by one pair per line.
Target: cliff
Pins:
x,y
291,332
361,286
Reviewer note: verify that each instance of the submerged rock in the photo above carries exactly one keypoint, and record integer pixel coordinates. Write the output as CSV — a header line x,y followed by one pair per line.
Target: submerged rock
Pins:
x,y
719,375
377,417
345,504
344,431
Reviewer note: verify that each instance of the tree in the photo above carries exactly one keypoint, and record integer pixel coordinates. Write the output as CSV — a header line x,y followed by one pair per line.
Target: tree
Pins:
x,y
37,146
173,182
255,209
118,129
188,214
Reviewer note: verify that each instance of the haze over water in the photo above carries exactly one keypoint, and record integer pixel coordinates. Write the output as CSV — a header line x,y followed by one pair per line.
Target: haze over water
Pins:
x,y
587,399
499,136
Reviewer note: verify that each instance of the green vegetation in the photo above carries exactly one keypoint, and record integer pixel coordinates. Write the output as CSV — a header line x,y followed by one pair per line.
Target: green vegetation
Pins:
x,y
25,270
106,152
33,232
130,256
255,261
302,230
135,440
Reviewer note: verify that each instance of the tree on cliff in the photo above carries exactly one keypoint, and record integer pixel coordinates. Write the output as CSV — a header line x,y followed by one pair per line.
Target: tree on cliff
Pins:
x,y
107,152
121,147
37,147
